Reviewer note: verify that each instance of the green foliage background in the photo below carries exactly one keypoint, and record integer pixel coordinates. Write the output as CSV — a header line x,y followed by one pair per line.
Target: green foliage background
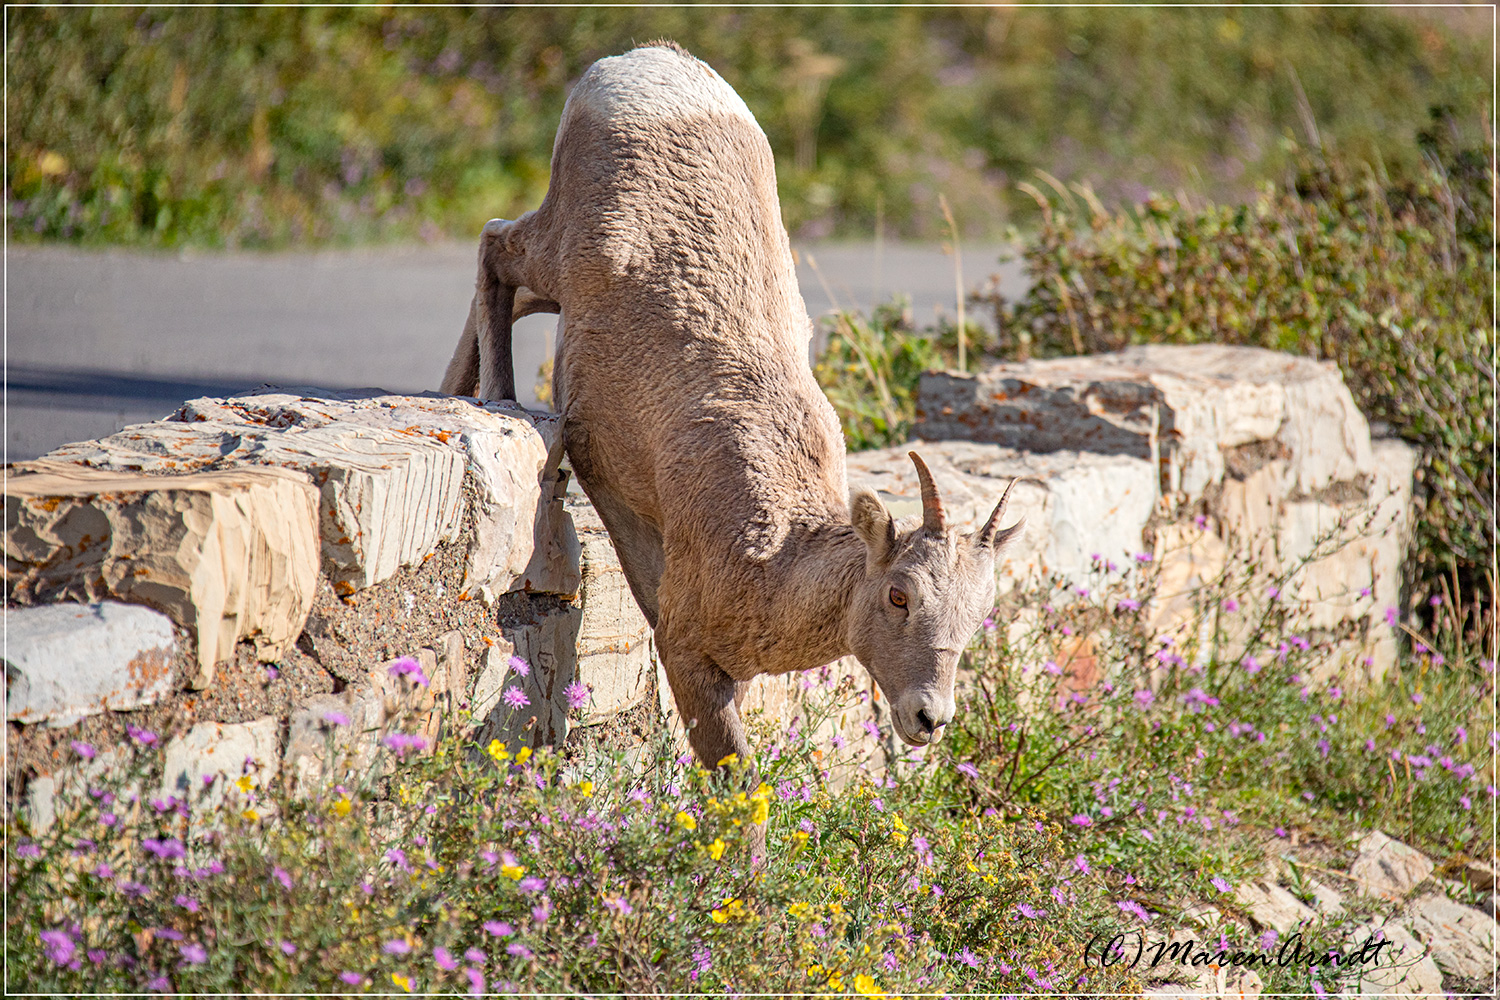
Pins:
x,y
265,126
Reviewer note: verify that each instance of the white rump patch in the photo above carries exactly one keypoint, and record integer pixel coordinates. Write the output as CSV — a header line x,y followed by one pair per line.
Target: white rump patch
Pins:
x,y
656,82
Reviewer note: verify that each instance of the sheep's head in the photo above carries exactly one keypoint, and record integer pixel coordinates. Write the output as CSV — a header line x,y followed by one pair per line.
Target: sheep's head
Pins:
x,y
924,592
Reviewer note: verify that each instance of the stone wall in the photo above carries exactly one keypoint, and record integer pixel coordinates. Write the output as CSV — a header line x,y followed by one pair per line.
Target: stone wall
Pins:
x,y
232,575
1195,455
235,574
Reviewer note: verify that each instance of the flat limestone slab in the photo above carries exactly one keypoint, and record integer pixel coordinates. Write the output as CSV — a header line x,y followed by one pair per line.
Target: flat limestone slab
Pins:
x,y
391,472
1076,504
67,661
1195,409
229,554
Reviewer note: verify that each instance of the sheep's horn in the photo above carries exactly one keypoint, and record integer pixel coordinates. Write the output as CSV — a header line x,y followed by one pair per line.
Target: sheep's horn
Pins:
x,y
987,533
932,507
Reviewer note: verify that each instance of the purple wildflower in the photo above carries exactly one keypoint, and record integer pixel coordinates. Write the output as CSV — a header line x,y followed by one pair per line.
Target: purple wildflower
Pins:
x,y
498,928
336,718
577,694
1220,884
1144,698
1029,912
408,667
288,948
968,770
444,961
519,950
352,978
84,750
59,946
475,957
515,697
476,982
520,666
396,946
145,737
283,876
402,742
1082,820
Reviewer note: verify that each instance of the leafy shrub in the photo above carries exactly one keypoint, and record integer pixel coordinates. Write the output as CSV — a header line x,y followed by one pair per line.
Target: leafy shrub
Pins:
x,y
261,126
1389,279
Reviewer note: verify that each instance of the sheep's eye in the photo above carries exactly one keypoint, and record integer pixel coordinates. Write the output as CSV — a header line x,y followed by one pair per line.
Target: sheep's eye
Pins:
x,y
898,597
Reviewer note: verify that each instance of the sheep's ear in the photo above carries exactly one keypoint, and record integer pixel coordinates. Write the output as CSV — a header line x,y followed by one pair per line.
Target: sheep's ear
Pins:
x,y
873,524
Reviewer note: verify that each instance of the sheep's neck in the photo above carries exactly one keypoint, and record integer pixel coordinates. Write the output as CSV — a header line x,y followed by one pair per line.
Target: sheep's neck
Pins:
x,y
812,628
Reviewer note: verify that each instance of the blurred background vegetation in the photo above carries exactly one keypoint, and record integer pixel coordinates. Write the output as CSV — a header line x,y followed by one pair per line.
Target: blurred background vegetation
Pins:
x,y
1312,180
260,127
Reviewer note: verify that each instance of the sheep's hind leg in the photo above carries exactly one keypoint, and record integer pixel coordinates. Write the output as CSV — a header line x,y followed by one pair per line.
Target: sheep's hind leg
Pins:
x,y
462,376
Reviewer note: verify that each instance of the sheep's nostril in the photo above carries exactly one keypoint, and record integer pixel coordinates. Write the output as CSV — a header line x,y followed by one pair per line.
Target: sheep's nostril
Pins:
x,y
925,721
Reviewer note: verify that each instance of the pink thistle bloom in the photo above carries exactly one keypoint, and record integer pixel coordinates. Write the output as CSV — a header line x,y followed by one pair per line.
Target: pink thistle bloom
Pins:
x,y
520,666
577,694
519,950
336,718
408,667
396,946
1082,864
352,978
283,876
1231,605
1081,820
1220,884
475,956
1144,698
169,933
968,770
1143,557
187,903
159,984
1029,912
1465,802
84,750
498,928
444,960
193,954
476,981
145,737
1132,907
1391,614
287,948
1129,604
1273,592
618,905
1416,698
515,697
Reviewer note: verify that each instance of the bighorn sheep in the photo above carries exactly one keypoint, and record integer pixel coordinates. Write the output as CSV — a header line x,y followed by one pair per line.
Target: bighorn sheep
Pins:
x,y
691,416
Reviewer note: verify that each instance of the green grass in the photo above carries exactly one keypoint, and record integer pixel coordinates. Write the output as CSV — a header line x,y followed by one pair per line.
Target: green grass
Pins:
x,y
1101,776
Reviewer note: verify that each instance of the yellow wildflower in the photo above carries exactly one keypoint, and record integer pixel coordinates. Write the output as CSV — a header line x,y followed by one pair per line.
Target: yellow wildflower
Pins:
x,y
729,759
343,806
251,815
896,822
586,788
799,838
244,784
719,916
401,981
762,811
522,755
866,985
686,821
836,982
813,970
799,910
513,872
716,849
835,908
497,751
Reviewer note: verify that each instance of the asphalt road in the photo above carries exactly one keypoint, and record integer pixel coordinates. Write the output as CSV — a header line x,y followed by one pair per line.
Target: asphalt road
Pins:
x,y
99,340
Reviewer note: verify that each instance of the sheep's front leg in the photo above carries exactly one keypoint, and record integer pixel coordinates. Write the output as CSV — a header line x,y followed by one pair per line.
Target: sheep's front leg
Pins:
x,y
706,701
